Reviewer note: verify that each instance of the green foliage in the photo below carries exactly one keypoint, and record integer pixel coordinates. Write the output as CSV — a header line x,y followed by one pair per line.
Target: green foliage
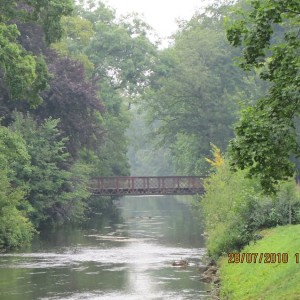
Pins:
x,y
12,150
266,138
112,153
120,50
269,281
25,74
193,88
119,57
56,194
15,228
74,199
224,204
235,208
264,144
188,153
79,32
46,13
49,14
146,157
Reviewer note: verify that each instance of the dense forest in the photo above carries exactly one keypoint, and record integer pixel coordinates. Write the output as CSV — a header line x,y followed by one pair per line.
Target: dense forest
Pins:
x,y
84,91
68,75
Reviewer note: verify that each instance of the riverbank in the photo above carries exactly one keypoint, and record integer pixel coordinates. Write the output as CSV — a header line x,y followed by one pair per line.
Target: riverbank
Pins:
x,y
264,276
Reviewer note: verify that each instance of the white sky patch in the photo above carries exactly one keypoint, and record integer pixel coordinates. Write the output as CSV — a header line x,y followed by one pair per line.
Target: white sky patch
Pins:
x,y
160,14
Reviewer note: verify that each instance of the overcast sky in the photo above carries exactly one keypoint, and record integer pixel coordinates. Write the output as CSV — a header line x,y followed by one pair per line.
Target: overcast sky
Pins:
x,y
160,14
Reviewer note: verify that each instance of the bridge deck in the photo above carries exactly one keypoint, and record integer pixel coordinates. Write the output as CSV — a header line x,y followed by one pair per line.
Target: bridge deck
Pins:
x,y
142,185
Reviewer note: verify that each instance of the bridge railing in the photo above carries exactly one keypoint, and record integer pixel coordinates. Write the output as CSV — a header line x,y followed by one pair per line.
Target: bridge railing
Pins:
x,y
159,185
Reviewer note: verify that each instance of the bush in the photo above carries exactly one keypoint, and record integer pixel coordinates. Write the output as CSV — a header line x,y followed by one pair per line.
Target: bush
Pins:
x,y
234,208
57,192
15,228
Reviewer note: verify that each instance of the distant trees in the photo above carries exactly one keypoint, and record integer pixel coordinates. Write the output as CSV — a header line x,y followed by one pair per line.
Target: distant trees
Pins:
x,y
145,156
192,98
119,58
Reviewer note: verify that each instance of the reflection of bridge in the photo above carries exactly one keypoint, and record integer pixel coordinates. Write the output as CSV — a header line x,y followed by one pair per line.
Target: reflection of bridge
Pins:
x,y
159,185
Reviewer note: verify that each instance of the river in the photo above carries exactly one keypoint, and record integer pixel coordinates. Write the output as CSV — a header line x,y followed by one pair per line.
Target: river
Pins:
x,y
125,256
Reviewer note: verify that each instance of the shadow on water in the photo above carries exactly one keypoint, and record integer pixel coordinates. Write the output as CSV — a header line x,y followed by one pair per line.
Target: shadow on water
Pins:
x,y
125,256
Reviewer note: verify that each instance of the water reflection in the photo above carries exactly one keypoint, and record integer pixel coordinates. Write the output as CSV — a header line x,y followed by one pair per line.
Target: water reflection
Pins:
x,y
127,258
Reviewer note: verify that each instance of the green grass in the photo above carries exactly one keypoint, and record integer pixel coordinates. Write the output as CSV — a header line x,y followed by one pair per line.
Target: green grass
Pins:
x,y
262,281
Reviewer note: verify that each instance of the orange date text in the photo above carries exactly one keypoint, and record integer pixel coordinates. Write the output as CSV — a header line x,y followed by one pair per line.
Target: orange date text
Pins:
x,y
261,258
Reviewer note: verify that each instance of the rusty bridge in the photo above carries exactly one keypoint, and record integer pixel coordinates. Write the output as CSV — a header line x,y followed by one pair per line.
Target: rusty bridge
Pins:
x,y
155,185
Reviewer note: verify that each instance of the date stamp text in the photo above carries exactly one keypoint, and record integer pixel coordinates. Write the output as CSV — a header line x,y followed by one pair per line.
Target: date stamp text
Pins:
x,y
261,258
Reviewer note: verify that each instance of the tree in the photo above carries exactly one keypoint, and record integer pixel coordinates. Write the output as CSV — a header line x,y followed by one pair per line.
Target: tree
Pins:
x,y
73,100
25,75
15,228
78,33
56,194
266,136
192,95
119,58
120,51
145,157
69,97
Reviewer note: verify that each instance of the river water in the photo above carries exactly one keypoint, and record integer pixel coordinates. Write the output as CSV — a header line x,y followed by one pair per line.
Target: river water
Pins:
x,y
126,256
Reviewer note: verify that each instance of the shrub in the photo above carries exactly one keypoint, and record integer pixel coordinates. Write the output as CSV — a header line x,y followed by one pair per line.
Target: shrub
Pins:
x,y
234,208
15,228
56,191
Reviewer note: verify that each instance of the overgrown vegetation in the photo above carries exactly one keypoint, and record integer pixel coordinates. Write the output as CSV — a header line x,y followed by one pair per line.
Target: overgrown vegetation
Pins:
x,y
66,83
235,207
15,227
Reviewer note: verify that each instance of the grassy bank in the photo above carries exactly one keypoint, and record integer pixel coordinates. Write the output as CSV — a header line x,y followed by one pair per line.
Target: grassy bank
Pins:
x,y
266,281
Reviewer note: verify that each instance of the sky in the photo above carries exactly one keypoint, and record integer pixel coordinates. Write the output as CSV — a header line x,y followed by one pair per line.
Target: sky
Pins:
x,y
160,14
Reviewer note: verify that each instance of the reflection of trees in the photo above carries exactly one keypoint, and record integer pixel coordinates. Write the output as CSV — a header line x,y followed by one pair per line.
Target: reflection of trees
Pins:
x,y
177,225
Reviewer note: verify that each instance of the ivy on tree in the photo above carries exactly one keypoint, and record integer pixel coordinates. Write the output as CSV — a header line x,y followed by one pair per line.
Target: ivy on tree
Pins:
x,y
266,137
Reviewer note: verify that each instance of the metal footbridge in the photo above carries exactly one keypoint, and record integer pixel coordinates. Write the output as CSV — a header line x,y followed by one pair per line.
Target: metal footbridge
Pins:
x,y
146,185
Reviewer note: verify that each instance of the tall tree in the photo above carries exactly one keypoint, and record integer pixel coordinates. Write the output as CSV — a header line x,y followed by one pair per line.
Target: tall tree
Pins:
x,y
119,57
53,191
69,97
266,137
145,157
120,50
192,93
24,74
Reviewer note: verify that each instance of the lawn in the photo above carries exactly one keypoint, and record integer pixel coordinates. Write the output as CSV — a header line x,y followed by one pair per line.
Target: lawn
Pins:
x,y
262,280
